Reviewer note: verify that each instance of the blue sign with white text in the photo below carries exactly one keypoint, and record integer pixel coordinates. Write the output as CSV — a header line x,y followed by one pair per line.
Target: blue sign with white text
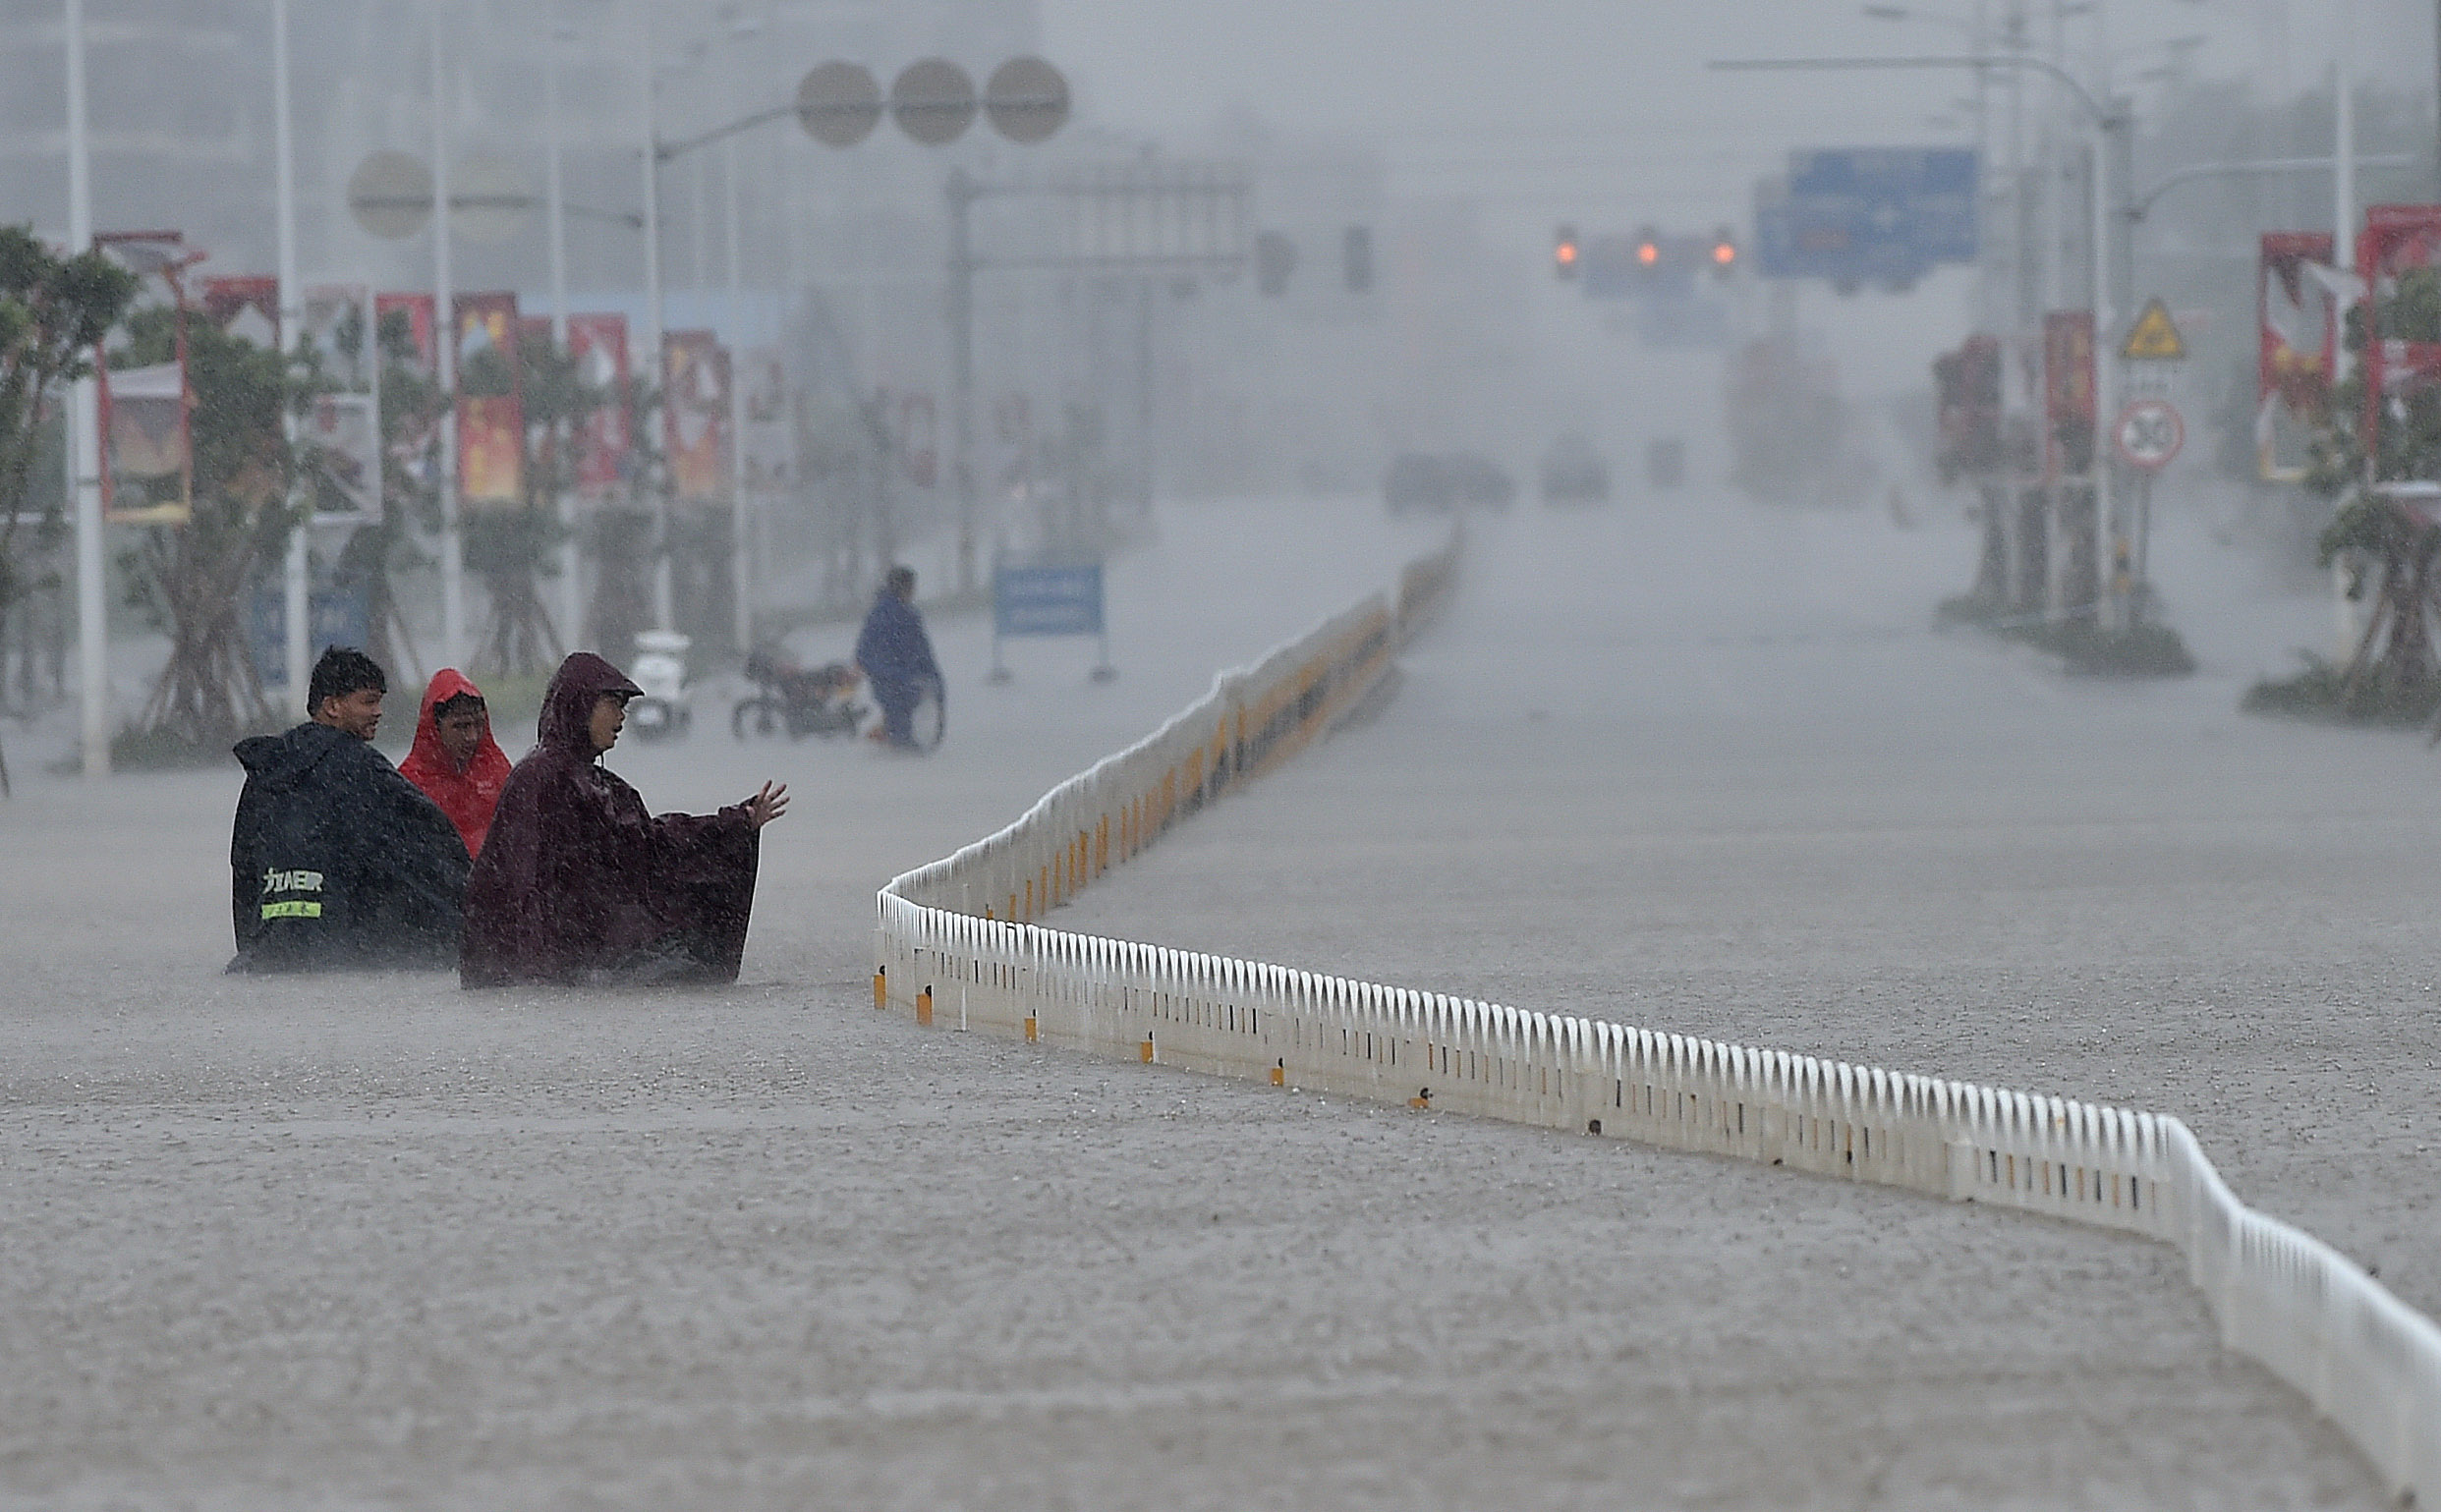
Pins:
x,y
1857,215
334,616
1047,600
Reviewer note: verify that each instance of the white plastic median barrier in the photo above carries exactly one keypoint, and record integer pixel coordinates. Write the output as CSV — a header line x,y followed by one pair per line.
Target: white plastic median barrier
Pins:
x,y
2367,1361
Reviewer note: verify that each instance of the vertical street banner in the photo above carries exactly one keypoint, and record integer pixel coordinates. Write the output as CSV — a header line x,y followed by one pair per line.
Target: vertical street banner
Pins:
x,y
695,416
491,421
604,439
148,471
771,441
409,329
2068,393
412,314
2297,298
338,335
533,348
340,435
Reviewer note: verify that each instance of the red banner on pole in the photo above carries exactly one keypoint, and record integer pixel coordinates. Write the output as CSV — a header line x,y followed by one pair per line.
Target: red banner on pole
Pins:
x,y
416,310
491,421
148,466
696,416
605,437
2068,392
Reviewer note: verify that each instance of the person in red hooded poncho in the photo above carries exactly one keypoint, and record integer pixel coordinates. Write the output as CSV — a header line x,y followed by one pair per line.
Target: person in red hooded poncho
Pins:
x,y
455,760
578,884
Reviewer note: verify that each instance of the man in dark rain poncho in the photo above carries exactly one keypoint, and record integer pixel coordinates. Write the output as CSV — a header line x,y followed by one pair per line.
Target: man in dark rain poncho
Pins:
x,y
335,860
896,656
577,883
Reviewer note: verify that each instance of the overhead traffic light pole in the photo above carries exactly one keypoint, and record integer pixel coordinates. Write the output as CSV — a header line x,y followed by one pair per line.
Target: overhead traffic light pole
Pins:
x,y
2114,129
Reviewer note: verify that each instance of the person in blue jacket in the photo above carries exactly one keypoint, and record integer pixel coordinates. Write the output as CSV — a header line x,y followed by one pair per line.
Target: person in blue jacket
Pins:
x,y
896,656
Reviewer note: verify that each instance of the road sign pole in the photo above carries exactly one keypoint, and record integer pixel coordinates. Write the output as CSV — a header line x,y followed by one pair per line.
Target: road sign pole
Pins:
x,y
297,571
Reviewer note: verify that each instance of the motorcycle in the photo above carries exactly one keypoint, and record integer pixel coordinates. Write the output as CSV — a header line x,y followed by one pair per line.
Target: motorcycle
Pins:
x,y
664,709
797,701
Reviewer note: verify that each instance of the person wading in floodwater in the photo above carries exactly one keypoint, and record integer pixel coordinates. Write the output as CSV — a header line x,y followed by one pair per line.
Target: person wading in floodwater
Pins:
x,y
579,884
455,760
335,860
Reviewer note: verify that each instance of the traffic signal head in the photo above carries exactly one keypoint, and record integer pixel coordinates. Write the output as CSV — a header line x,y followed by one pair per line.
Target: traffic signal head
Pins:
x,y
1724,252
1566,252
1648,248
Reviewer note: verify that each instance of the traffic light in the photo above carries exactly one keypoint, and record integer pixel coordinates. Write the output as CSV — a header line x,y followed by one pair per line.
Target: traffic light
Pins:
x,y
1275,258
1357,258
1724,251
1566,252
1648,248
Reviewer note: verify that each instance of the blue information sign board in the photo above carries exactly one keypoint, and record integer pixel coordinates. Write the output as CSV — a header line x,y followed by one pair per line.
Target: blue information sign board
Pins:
x,y
335,616
1061,600
1857,215
1047,600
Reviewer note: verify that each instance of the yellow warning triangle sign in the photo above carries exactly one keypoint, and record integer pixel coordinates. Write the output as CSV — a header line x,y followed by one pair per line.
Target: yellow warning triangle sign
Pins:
x,y
2154,338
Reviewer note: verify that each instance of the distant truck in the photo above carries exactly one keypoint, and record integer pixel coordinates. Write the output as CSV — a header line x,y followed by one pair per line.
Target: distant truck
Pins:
x,y
1573,473
1424,482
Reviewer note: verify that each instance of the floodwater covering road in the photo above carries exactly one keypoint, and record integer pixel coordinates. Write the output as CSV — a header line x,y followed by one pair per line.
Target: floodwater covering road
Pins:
x,y
375,1242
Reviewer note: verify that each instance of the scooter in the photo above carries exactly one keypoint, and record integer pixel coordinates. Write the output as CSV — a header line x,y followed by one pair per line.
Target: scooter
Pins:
x,y
797,701
665,709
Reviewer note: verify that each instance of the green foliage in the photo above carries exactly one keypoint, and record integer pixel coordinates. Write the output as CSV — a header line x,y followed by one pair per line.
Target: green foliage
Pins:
x,y
2146,649
53,312
2322,692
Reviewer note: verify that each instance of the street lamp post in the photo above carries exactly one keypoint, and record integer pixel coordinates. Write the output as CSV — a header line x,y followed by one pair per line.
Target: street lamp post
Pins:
x,y
656,364
741,512
297,600
555,195
445,363
85,450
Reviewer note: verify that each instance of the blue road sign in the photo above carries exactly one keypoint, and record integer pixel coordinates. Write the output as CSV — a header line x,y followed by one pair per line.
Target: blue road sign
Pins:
x,y
1858,215
337,616
1047,600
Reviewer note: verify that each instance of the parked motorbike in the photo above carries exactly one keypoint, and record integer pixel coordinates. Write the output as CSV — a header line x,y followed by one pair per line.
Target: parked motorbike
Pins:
x,y
664,710
797,701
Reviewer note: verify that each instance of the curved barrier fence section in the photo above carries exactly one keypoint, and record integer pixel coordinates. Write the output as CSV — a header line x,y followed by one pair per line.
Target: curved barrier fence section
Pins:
x,y
958,938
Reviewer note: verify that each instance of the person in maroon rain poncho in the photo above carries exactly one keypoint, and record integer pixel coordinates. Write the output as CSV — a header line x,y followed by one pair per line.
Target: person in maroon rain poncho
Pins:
x,y
578,884
455,760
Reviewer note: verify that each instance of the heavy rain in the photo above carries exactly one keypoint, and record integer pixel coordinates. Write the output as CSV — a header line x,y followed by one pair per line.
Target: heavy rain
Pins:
x,y
1110,754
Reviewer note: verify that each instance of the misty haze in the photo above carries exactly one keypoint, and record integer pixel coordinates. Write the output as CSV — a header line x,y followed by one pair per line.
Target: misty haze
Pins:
x,y
1111,753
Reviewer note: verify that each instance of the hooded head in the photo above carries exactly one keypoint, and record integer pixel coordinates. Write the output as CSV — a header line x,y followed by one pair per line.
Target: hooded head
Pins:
x,y
567,719
447,683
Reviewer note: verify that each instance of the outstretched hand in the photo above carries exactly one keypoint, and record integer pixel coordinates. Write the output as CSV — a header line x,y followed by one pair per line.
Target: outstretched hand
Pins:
x,y
767,805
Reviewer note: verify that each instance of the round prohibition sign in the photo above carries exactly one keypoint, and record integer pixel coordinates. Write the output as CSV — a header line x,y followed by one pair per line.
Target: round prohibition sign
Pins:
x,y
2149,432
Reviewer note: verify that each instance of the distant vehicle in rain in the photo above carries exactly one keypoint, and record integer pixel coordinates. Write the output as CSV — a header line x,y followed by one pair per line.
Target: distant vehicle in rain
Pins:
x,y
1573,473
1438,484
